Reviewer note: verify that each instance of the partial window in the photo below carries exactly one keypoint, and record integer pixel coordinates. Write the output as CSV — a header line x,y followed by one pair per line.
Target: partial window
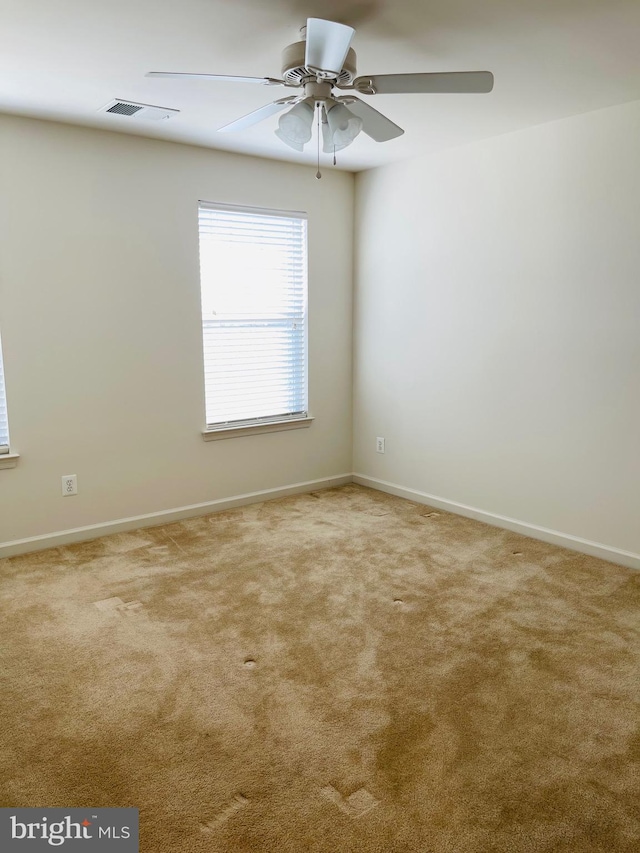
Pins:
x,y
253,275
4,421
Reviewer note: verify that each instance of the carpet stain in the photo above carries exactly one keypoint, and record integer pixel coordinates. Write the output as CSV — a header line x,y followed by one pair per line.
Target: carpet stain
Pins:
x,y
406,733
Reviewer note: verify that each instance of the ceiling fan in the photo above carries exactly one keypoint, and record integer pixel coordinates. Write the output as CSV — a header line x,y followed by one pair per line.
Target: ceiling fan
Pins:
x,y
323,62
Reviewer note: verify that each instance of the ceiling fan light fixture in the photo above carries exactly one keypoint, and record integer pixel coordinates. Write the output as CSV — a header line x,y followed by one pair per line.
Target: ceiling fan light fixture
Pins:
x,y
297,146
295,126
321,62
341,128
327,141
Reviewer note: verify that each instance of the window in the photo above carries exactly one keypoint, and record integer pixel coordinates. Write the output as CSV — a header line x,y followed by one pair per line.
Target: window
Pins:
x,y
4,422
253,277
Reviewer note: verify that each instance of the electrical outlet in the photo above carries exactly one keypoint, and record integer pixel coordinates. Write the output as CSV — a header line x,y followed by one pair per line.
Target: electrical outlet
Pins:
x,y
69,485
380,445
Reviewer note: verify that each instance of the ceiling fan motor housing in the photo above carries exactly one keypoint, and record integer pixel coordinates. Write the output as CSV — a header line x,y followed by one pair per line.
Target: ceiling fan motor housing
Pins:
x,y
295,72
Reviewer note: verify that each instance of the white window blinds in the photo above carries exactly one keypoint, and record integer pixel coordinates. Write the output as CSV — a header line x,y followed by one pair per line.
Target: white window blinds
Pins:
x,y
253,275
4,423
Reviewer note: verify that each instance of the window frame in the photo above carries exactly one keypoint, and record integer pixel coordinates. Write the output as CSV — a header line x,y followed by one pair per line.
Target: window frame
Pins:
x,y
7,458
215,431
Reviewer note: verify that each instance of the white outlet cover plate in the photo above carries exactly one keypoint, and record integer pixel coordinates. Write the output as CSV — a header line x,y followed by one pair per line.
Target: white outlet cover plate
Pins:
x,y
69,485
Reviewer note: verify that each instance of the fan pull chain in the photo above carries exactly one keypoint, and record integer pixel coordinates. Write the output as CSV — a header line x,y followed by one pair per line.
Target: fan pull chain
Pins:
x,y
318,173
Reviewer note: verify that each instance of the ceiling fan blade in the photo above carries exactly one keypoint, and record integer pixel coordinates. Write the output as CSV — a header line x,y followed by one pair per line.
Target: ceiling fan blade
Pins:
x,y
257,115
374,124
471,82
225,78
327,45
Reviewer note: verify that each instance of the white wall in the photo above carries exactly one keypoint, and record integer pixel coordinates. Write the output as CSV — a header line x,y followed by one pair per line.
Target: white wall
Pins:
x,y
497,326
100,320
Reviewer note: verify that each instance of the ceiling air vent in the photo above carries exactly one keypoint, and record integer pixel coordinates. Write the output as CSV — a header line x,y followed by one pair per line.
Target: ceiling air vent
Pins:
x,y
124,109
129,109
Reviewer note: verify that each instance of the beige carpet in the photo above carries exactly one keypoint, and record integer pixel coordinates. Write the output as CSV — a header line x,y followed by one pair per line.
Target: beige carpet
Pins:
x,y
342,671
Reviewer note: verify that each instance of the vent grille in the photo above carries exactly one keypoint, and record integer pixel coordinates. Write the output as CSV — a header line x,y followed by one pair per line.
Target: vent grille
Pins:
x,y
124,109
138,112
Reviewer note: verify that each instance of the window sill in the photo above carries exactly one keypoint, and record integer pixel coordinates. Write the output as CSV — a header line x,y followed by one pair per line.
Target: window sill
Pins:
x,y
9,460
255,429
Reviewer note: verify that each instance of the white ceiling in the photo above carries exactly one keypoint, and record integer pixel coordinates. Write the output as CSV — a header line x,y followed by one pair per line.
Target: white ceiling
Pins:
x,y
65,59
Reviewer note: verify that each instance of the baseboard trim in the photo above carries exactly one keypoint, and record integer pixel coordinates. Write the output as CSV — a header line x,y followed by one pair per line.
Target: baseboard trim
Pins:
x,y
152,519
122,525
553,537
